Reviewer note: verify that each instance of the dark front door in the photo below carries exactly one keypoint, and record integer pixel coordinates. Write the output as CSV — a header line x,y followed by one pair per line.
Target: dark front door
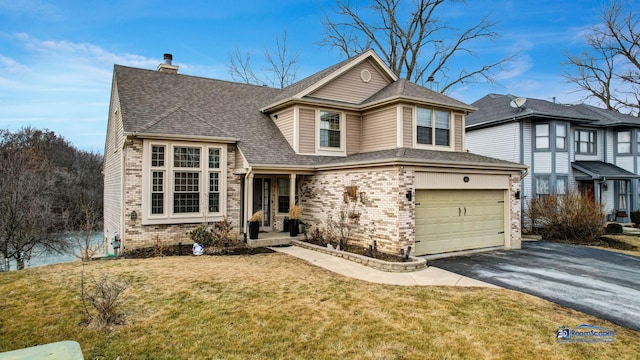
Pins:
x,y
261,196
586,189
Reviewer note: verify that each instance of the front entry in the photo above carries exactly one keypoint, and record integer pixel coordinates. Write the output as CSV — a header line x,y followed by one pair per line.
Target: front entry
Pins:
x,y
586,188
261,196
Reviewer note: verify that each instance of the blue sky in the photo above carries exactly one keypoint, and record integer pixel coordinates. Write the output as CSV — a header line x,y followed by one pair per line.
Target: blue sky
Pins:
x,y
57,57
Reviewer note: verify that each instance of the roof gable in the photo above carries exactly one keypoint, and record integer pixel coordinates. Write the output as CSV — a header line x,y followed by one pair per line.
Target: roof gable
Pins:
x,y
315,82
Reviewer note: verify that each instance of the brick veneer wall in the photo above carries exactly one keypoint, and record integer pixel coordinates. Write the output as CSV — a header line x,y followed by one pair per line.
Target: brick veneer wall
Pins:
x,y
138,235
516,214
385,214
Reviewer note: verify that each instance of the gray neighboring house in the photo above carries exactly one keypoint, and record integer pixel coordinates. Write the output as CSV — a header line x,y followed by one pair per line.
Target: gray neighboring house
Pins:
x,y
182,150
567,147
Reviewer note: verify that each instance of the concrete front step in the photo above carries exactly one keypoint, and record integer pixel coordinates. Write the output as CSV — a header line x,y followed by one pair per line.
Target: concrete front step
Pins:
x,y
273,239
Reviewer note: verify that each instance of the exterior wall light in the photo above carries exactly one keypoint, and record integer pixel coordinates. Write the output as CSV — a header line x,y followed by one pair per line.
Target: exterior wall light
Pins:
x,y
134,215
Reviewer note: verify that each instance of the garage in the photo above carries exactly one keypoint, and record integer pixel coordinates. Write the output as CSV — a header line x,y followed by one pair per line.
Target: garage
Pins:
x,y
453,220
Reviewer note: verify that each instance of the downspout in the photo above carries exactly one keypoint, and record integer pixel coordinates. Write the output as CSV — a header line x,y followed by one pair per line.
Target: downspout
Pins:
x,y
247,210
123,178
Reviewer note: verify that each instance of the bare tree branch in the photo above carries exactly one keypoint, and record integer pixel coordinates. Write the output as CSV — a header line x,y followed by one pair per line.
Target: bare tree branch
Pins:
x,y
609,71
413,44
280,69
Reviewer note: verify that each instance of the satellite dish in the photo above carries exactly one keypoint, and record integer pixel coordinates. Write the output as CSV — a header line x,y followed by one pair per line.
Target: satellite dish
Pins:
x,y
518,102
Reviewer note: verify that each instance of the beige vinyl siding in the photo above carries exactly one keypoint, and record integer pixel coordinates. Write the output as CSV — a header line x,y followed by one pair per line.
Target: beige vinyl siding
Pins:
x,y
458,127
307,139
350,87
239,160
379,130
113,169
407,126
354,129
285,124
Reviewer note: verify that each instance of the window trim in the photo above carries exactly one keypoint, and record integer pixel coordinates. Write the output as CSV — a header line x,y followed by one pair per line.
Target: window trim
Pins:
x,y
617,142
323,150
535,137
556,137
433,145
577,142
168,216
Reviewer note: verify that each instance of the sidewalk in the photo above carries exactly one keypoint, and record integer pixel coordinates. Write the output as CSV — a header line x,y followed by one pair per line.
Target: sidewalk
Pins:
x,y
429,276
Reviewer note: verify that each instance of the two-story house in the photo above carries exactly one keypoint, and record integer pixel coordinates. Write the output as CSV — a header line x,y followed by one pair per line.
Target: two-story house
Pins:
x,y
181,150
567,147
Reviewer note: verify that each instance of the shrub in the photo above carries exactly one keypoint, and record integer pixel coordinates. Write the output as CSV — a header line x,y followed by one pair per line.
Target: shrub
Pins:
x,y
201,235
257,216
635,217
614,228
102,301
567,217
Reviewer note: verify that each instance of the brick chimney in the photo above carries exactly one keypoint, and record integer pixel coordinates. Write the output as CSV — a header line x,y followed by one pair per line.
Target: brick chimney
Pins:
x,y
166,66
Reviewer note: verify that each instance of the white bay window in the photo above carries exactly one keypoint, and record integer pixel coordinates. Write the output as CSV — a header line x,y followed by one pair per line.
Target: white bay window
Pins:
x,y
182,182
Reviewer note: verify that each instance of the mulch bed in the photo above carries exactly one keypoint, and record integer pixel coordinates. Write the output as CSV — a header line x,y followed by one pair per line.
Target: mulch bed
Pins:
x,y
602,241
359,250
185,250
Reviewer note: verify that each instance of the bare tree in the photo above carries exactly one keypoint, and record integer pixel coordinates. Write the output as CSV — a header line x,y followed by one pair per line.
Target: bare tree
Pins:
x,y
27,215
280,68
609,70
417,45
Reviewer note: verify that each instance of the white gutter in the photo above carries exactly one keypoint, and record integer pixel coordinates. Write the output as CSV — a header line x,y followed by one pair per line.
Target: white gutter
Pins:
x,y
219,139
246,200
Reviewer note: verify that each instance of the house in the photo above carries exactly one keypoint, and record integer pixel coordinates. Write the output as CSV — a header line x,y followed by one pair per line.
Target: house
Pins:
x,y
181,150
567,147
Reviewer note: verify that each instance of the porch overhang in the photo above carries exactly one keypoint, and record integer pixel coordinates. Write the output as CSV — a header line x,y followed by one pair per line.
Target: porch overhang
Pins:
x,y
599,170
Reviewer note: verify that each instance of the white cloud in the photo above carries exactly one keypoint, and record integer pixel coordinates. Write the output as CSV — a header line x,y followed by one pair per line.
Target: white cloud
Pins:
x,y
516,68
60,85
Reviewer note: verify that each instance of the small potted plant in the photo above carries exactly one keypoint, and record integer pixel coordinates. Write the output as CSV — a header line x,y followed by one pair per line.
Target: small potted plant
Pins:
x,y
254,224
294,218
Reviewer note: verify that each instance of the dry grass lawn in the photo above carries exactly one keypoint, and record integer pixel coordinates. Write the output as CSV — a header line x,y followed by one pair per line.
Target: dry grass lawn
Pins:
x,y
272,306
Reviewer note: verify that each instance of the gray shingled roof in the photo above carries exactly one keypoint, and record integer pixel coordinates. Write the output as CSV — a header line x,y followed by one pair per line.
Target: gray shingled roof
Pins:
x,y
405,88
599,170
422,155
495,109
162,103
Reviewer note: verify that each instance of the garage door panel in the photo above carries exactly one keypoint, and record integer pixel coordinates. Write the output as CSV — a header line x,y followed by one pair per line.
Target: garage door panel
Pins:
x,y
452,220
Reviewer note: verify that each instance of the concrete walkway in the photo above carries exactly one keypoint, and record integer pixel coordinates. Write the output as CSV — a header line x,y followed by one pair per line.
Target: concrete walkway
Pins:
x,y
429,276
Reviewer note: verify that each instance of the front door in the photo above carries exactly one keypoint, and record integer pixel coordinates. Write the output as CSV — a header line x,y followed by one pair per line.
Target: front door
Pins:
x,y
261,196
587,190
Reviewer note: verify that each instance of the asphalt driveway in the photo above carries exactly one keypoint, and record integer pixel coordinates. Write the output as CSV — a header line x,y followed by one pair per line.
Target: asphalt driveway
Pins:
x,y
597,282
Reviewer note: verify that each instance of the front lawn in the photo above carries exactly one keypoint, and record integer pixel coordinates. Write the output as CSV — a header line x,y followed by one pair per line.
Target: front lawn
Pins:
x,y
272,306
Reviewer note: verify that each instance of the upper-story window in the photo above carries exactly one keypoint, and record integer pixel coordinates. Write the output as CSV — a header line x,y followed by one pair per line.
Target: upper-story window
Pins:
x,y
433,127
561,137
585,141
624,142
542,136
330,128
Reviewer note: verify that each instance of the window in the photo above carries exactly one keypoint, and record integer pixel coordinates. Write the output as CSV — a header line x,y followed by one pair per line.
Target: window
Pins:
x,y
183,181
585,142
543,185
542,136
622,194
561,185
624,142
157,179
283,195
423,130
330,129
427,121
214,180
561,137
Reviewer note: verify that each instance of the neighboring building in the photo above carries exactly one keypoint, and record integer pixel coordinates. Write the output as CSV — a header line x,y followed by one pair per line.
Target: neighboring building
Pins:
x,y
567,147
181,150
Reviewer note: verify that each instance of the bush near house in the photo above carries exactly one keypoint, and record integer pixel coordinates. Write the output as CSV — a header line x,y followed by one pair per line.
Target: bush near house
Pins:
x,y
567,217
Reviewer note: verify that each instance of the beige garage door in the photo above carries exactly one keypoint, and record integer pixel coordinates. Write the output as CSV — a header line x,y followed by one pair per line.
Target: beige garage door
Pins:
x,y
452,220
